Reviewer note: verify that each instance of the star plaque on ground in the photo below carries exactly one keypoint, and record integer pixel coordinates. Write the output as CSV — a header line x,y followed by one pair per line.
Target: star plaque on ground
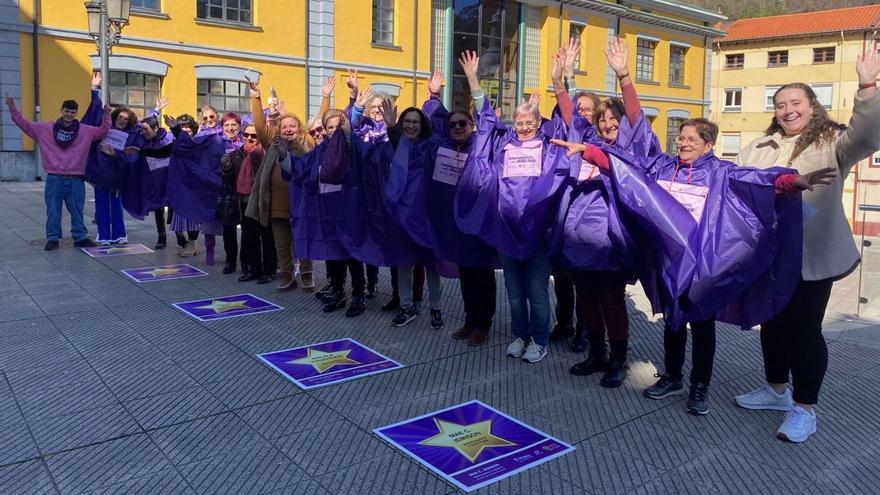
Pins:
x,y
472,445
218,308
167,272
117,250
317,365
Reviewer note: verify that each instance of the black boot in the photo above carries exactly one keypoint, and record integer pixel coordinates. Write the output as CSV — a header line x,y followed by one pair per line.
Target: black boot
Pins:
x,y
617,367
392,305
229,268
181,239
324,292
561,331
160,243
357,306
596,361
579,341
335,301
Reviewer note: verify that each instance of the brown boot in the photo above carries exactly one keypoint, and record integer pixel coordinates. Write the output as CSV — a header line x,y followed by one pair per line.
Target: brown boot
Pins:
x,y
308,282
479,337
464,332
286,283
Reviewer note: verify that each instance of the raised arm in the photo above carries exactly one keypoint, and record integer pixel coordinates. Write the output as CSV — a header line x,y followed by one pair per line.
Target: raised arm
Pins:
x,y
574,48
861,138
562,99
105,124
95,112
260,124
433,106
618,59
326,92
470,64
26,126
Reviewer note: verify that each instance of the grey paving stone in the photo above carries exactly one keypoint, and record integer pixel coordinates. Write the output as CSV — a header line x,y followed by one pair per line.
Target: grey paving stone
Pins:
x,y
204,438
535,480
257,469
601,469
147,382
159,483
253,388
16,443
220,367
61,374
64,399
68,431
27,477
175,407
332,447
306,488
108,463
374,477
289,415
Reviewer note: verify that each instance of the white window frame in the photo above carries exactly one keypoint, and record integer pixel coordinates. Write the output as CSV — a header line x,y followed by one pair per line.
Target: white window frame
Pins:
x,y
381,8
732,108
730,153
768,98
822,86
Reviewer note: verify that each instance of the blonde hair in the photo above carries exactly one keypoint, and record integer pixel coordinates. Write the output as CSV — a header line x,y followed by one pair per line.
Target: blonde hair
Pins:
x,y
333,113
303,142
528,109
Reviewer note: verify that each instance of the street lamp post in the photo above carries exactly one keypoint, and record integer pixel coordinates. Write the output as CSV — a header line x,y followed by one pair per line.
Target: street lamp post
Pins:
x,y
106,20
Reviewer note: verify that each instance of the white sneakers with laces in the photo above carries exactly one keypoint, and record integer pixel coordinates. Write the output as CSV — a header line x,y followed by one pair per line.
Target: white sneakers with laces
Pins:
x,y
765,398
534,352
516,348
799,424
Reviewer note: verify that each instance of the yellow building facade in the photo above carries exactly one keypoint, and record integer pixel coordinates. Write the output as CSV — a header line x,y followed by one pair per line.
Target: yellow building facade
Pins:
x,y
757,56
201,51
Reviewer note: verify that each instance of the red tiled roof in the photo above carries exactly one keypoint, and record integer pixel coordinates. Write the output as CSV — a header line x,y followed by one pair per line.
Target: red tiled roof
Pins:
x,y
783,26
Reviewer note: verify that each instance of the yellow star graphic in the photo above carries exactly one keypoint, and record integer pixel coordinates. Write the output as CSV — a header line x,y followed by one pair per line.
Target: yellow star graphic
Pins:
x,y
322,361
163,272
468,440
223,306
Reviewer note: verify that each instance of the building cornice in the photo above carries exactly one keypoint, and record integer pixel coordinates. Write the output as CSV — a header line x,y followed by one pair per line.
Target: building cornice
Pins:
x,y
627,13
799,36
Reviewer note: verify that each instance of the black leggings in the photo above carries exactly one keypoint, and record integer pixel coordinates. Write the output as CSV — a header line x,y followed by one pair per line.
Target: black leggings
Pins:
x,y
702,352
792,342
563,286
336,273
478,295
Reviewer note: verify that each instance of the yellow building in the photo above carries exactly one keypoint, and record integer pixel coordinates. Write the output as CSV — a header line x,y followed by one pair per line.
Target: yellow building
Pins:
x,y
757,56
199,51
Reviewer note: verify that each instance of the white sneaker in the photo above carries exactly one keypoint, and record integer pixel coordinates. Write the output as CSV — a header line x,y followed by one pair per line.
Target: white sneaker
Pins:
x,y
534,352
799,424
516,348
765,398
121,240
103,243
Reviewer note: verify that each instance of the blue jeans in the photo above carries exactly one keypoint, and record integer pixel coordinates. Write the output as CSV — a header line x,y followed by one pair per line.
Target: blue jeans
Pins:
x,y
527,283
72,192
108,215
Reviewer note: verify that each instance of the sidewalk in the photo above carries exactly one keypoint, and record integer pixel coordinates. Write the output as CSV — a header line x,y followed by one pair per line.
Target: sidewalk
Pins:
x,y
107,388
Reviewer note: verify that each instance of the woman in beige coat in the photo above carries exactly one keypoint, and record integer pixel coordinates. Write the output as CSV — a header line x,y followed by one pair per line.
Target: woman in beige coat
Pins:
x,y
803,137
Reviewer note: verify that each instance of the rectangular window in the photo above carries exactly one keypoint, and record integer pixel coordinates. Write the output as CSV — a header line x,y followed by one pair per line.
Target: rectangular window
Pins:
x,y
769,91
672,132
145,4
576,31
824,55
676,65
824,93
734,61
733,99
875,162
225,96
645,59
383,22
238,11
134,90
730,146
777,59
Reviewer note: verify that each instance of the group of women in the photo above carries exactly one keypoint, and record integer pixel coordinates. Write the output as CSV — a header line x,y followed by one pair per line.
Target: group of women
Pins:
x,y
586,194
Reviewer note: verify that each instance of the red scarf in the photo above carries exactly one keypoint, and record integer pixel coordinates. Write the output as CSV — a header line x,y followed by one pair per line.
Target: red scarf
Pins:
x,y
245,182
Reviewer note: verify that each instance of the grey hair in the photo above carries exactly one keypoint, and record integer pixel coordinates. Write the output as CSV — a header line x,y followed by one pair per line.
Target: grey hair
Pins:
x,y
528,108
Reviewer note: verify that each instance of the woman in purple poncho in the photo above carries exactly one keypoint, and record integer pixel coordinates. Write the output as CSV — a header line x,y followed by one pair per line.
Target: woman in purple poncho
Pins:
x,y
505,197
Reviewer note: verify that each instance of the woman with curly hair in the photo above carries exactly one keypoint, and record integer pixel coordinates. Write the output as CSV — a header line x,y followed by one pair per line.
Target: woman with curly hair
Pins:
x,y
803,137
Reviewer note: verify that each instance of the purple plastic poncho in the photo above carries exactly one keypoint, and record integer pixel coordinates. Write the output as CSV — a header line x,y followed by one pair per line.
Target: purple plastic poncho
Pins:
x,y
102,170
505,194
424,190
143,181
194,178
315,206
366,227
734,256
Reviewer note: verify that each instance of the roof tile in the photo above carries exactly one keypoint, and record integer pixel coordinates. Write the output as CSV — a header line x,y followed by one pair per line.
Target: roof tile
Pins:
x,y
783,26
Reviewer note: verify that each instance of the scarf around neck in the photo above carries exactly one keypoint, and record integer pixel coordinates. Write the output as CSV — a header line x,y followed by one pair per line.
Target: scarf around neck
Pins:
x,y
65,134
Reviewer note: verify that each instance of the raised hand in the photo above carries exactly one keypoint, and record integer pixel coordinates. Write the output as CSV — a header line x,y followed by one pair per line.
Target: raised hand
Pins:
x,y
10,102
574,48
96,80
533,99
352,82
824,176
161,103
131,150
364,98
106,149
389,113
435,82
868,66
107,111
618,57
571,148
558,64
254,89
327,86
170,121
470,63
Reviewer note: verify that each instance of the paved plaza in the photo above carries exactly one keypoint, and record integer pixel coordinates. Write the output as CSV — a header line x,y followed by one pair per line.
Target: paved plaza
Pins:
x,y
105,387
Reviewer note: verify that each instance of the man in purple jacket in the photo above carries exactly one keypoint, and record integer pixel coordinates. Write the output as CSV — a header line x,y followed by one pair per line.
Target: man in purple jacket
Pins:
x,y
64,146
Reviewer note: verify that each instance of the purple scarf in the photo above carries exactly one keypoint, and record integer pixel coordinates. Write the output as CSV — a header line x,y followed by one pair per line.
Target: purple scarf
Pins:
x,y
64,135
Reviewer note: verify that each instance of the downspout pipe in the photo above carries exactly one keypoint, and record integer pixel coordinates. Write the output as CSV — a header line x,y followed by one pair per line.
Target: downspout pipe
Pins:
x,y
521,56
415,62
306,53
448,58
35,15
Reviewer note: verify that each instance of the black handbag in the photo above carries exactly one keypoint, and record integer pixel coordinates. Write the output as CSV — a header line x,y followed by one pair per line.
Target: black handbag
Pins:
x,y
228,210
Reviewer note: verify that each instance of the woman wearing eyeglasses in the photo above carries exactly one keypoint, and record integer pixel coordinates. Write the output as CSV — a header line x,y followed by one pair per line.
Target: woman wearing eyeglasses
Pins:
x,y
209,121
505,197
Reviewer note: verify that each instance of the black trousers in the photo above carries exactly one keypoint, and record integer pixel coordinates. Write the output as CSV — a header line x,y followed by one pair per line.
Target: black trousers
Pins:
x,y
230,245
258,245
478,295
336,270
563,285
702,350
373,275
159,215
792,342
